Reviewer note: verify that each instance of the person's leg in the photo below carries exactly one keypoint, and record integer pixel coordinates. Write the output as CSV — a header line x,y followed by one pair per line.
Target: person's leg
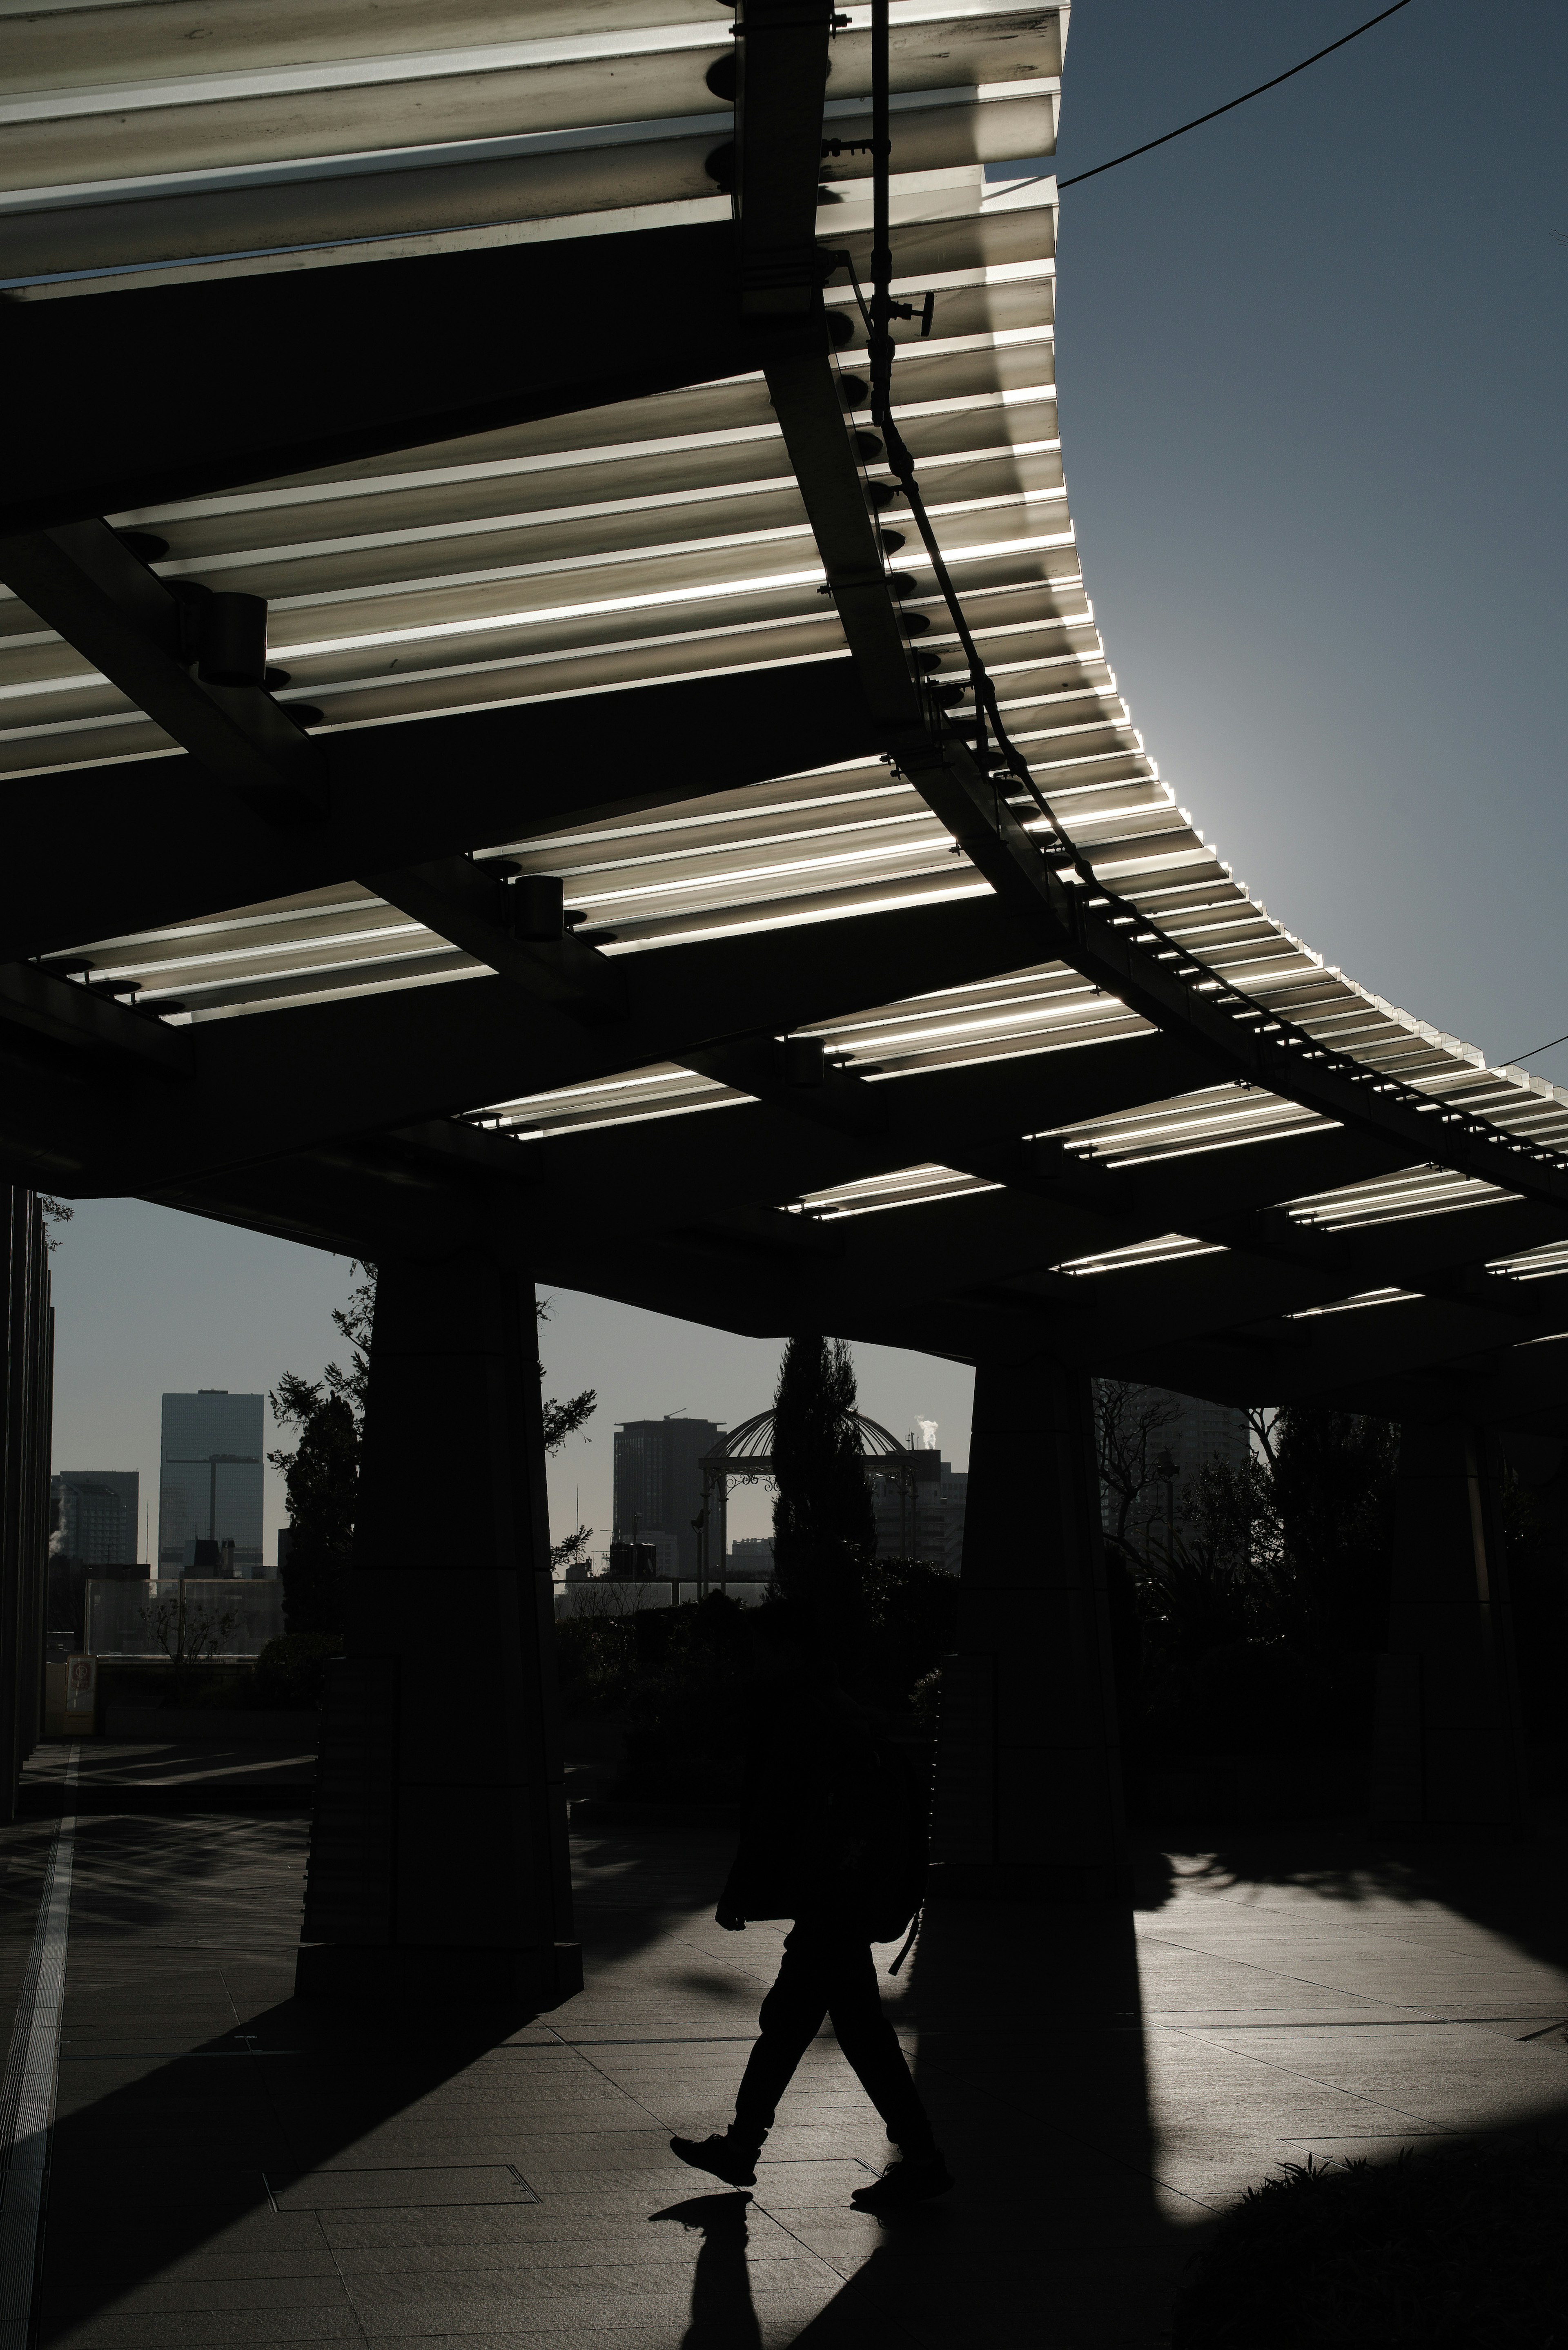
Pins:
x,y
871,2047
792,2016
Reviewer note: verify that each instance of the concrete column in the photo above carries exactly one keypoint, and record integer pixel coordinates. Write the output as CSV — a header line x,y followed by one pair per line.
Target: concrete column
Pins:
x,y
1449,1748
438,1862
1028,1789
26,1389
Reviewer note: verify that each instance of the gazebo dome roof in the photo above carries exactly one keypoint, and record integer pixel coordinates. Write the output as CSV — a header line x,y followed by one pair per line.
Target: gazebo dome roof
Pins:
x,y
752,1441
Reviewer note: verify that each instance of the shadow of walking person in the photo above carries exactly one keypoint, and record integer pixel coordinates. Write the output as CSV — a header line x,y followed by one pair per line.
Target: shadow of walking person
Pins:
x,y
722,2316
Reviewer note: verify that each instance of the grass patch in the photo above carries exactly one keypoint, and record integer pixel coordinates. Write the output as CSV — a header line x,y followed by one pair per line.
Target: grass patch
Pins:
x,y
1457,2249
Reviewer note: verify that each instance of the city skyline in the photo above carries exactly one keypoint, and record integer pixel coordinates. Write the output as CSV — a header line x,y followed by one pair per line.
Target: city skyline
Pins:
x,y
133,1281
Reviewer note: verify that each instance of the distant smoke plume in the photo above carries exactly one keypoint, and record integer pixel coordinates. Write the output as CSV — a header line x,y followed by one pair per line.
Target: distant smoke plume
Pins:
x,y
928,1428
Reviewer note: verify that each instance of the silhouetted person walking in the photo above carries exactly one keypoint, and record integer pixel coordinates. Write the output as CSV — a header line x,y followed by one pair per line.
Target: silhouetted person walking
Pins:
x,y
832,1837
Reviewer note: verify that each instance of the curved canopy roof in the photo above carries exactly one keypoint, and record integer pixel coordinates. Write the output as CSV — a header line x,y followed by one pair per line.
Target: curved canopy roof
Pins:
x,y
526,381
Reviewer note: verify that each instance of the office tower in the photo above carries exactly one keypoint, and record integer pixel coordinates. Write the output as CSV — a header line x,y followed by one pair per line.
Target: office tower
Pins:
x,y
920,1510
210,1486
659,1481
92,1515
955,1493
751,1559
1163,1442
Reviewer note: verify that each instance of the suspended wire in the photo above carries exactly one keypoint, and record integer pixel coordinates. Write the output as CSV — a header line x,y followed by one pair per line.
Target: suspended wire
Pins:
x,y
1231,104
1516,1060
1282,1033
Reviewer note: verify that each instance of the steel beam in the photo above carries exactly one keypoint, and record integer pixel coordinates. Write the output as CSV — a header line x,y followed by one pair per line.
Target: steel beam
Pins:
x,y
246,376
278,1081
84,581
165,847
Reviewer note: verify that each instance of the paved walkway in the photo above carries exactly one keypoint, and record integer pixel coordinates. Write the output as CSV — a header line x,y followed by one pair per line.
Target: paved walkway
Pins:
x,y
230,2171
243,1771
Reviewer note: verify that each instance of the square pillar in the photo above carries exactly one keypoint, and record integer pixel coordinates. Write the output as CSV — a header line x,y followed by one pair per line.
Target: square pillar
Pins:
x,y
1028,1786
1449,1746
438,1862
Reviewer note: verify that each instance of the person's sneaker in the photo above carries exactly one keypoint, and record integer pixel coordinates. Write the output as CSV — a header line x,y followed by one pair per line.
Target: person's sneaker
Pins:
x,y
724,2158
913,2181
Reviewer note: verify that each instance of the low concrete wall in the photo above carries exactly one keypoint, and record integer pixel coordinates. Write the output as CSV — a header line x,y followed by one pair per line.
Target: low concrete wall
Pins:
x,y
215,1725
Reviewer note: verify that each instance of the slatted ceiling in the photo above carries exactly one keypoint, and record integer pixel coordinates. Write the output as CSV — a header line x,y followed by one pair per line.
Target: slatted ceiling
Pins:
x,y
421,678
1419,1191
654,888
910,1187
1362,1298
1009,305
985,1009
395,513
342,943
201,41
664,537
1120,798
661,1089
900,1043
1049,1028
281,920
1218,1116
1049,650
203,120
1059,604
1137,1256
1533,1265
135,43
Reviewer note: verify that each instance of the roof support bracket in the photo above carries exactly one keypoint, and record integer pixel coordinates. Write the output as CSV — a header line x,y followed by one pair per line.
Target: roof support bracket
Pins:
x,y
84,581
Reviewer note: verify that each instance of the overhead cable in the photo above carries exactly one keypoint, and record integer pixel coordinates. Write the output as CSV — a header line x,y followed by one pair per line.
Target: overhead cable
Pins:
x,y
1006,768
1232,103
1517,1060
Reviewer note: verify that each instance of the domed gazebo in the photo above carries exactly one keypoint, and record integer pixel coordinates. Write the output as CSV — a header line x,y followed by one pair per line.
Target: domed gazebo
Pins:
x,y
745,1457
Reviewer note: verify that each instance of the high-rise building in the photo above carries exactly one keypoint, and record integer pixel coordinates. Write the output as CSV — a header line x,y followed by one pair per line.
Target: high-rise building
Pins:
x,y
955,1494
210,1485
919,1511
1163,1442
659,1481
92,1515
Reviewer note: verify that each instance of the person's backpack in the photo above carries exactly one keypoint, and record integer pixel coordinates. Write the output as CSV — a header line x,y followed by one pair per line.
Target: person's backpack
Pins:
x,y
834,1824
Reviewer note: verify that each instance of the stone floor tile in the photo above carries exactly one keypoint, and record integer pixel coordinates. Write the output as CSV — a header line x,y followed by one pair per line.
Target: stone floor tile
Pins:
x,y
1102,2093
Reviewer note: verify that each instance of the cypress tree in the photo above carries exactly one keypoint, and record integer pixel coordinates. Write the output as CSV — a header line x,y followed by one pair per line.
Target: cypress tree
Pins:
x,y
825,1528
322,1479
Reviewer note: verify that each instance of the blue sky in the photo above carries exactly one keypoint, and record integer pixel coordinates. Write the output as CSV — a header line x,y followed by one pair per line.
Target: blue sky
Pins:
x,y
1312,362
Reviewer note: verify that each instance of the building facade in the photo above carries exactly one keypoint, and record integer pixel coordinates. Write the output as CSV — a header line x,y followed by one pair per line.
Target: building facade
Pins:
x,y
93,1516
751,1559
659,1482
919,1512
1164,1442
209,1483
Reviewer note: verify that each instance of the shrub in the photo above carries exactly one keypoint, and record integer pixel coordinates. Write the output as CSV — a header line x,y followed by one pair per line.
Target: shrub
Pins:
x,y
680,1676
288,1672
1454,2249
1251,1696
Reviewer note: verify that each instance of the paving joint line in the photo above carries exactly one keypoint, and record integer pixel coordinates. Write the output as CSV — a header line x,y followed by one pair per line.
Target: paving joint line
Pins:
x,y
1252,1966
1313,2080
